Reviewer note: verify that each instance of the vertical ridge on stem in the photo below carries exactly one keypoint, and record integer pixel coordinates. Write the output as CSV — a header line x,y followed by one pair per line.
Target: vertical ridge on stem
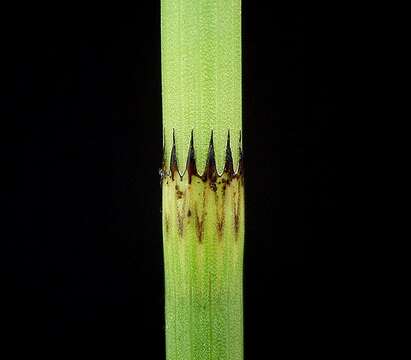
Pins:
x,y
201,76
202,178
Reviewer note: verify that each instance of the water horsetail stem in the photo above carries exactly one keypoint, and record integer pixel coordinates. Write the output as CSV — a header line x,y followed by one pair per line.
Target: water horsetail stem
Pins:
x,y
202,179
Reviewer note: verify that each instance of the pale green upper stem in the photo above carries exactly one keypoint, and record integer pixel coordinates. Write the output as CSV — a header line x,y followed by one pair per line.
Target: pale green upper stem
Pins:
x,y
201,78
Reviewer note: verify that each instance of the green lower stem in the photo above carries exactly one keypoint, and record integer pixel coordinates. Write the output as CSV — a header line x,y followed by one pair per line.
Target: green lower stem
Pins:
x,y
203,228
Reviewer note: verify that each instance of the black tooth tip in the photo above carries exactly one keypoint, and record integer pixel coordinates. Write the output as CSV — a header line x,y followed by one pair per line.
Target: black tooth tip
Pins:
x,y
240,171
228,167
210,172
173,160
191,167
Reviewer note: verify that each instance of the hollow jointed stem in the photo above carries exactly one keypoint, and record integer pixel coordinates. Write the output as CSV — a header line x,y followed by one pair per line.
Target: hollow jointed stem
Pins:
x,y
202,179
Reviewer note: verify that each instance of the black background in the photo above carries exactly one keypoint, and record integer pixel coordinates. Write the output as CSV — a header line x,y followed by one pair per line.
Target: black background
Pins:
x,y
81,257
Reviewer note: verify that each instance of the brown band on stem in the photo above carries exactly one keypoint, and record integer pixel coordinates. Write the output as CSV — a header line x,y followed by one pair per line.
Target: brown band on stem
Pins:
x,y
210,172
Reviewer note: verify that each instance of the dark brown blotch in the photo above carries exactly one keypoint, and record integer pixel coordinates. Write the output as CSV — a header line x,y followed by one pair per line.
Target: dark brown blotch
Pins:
x,y
180,224
167,223
236,221
237,207
220,226
220,219
199,226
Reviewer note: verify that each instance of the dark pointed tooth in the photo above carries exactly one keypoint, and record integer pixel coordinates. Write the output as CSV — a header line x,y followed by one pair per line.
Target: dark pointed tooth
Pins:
x,y
228,167
210,171
191,161
240,171
173,160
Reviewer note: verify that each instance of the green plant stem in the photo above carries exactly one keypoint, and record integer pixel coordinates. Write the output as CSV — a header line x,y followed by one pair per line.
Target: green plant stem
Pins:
x,y
203,229
201,77
203,187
